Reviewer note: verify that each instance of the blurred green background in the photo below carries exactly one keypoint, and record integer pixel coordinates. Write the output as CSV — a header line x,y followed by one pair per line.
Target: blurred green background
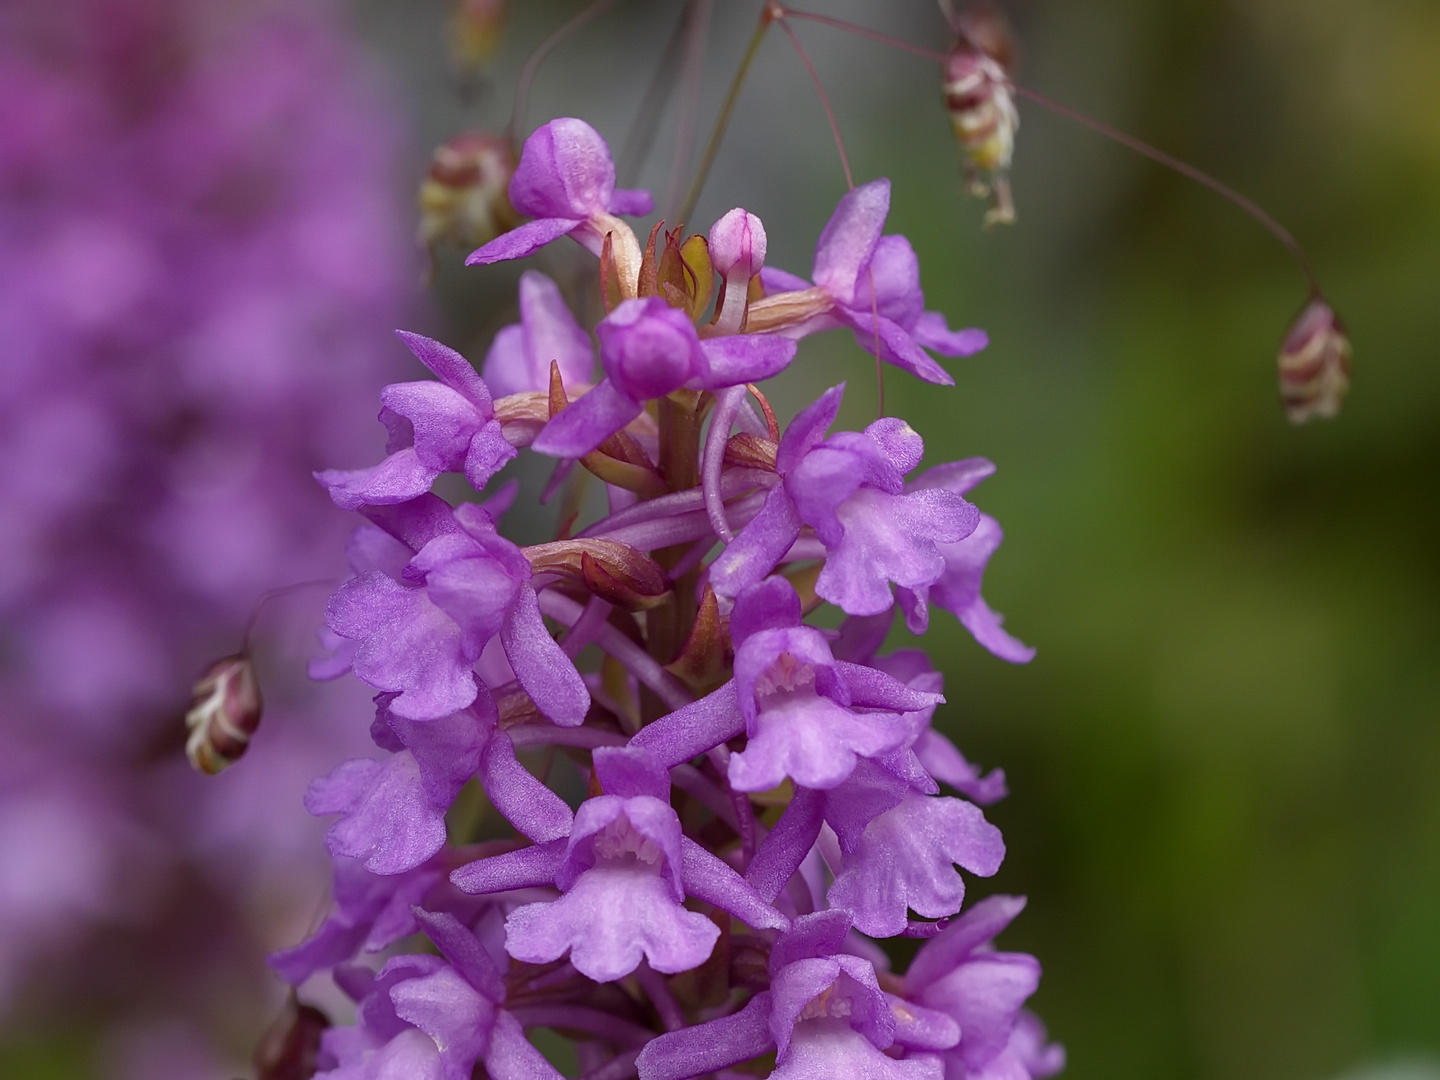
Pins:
x,y
1224,760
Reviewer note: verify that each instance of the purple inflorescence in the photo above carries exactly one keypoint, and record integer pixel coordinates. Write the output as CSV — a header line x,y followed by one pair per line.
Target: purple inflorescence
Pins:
x,y
755,799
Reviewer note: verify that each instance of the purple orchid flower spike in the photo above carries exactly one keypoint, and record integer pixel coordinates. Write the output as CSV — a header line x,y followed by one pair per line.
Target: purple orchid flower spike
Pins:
x,y
957,589
649,349
420,634
869,283
850,489
435,427
566,182
623,873
520,357
959,974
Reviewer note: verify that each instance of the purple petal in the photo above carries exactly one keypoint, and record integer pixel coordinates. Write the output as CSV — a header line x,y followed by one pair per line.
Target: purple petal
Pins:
x,y
961,477
1030,1043
919,1028
608,921
819,934
417,522
849,238
630,771
808,429
524,869
450,1011
510,367
451,368
852,985
552,334
932,332
586,422
546,673
745,358
900,443
446,750
511,1056
940,955
767,605
464,951
820,483
984,994
388,822
984,624
905,860
872,688
526,240
700,726
633,202
473,589
945,763
645,817
895,272
372,548
536,812
812,741
407,645
709,878
758,547
564,171
893,344
891,538
830,1049
780,281
400,477
412,1054
869,791
709,1047
783,851
489,452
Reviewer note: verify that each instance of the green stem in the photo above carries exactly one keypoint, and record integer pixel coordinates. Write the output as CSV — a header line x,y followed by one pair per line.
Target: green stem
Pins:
x,y
722,121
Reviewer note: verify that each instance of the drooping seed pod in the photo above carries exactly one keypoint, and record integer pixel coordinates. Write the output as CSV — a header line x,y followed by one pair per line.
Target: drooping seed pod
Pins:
x,y
476,27
984,119
224,712
1314,364
465,196
287,1051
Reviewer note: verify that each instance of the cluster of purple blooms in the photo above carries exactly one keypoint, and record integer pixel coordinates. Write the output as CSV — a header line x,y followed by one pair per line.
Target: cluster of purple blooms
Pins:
x,y
200,250
764,797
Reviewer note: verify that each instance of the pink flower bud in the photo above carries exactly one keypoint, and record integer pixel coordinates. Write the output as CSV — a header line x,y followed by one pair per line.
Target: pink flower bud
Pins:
x,y
1314,364
737,244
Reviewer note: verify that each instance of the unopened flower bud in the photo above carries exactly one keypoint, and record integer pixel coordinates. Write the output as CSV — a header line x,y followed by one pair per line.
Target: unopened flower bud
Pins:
x,y
737,244
225,710
613,571
737,250
464,198
984,119
1314,364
